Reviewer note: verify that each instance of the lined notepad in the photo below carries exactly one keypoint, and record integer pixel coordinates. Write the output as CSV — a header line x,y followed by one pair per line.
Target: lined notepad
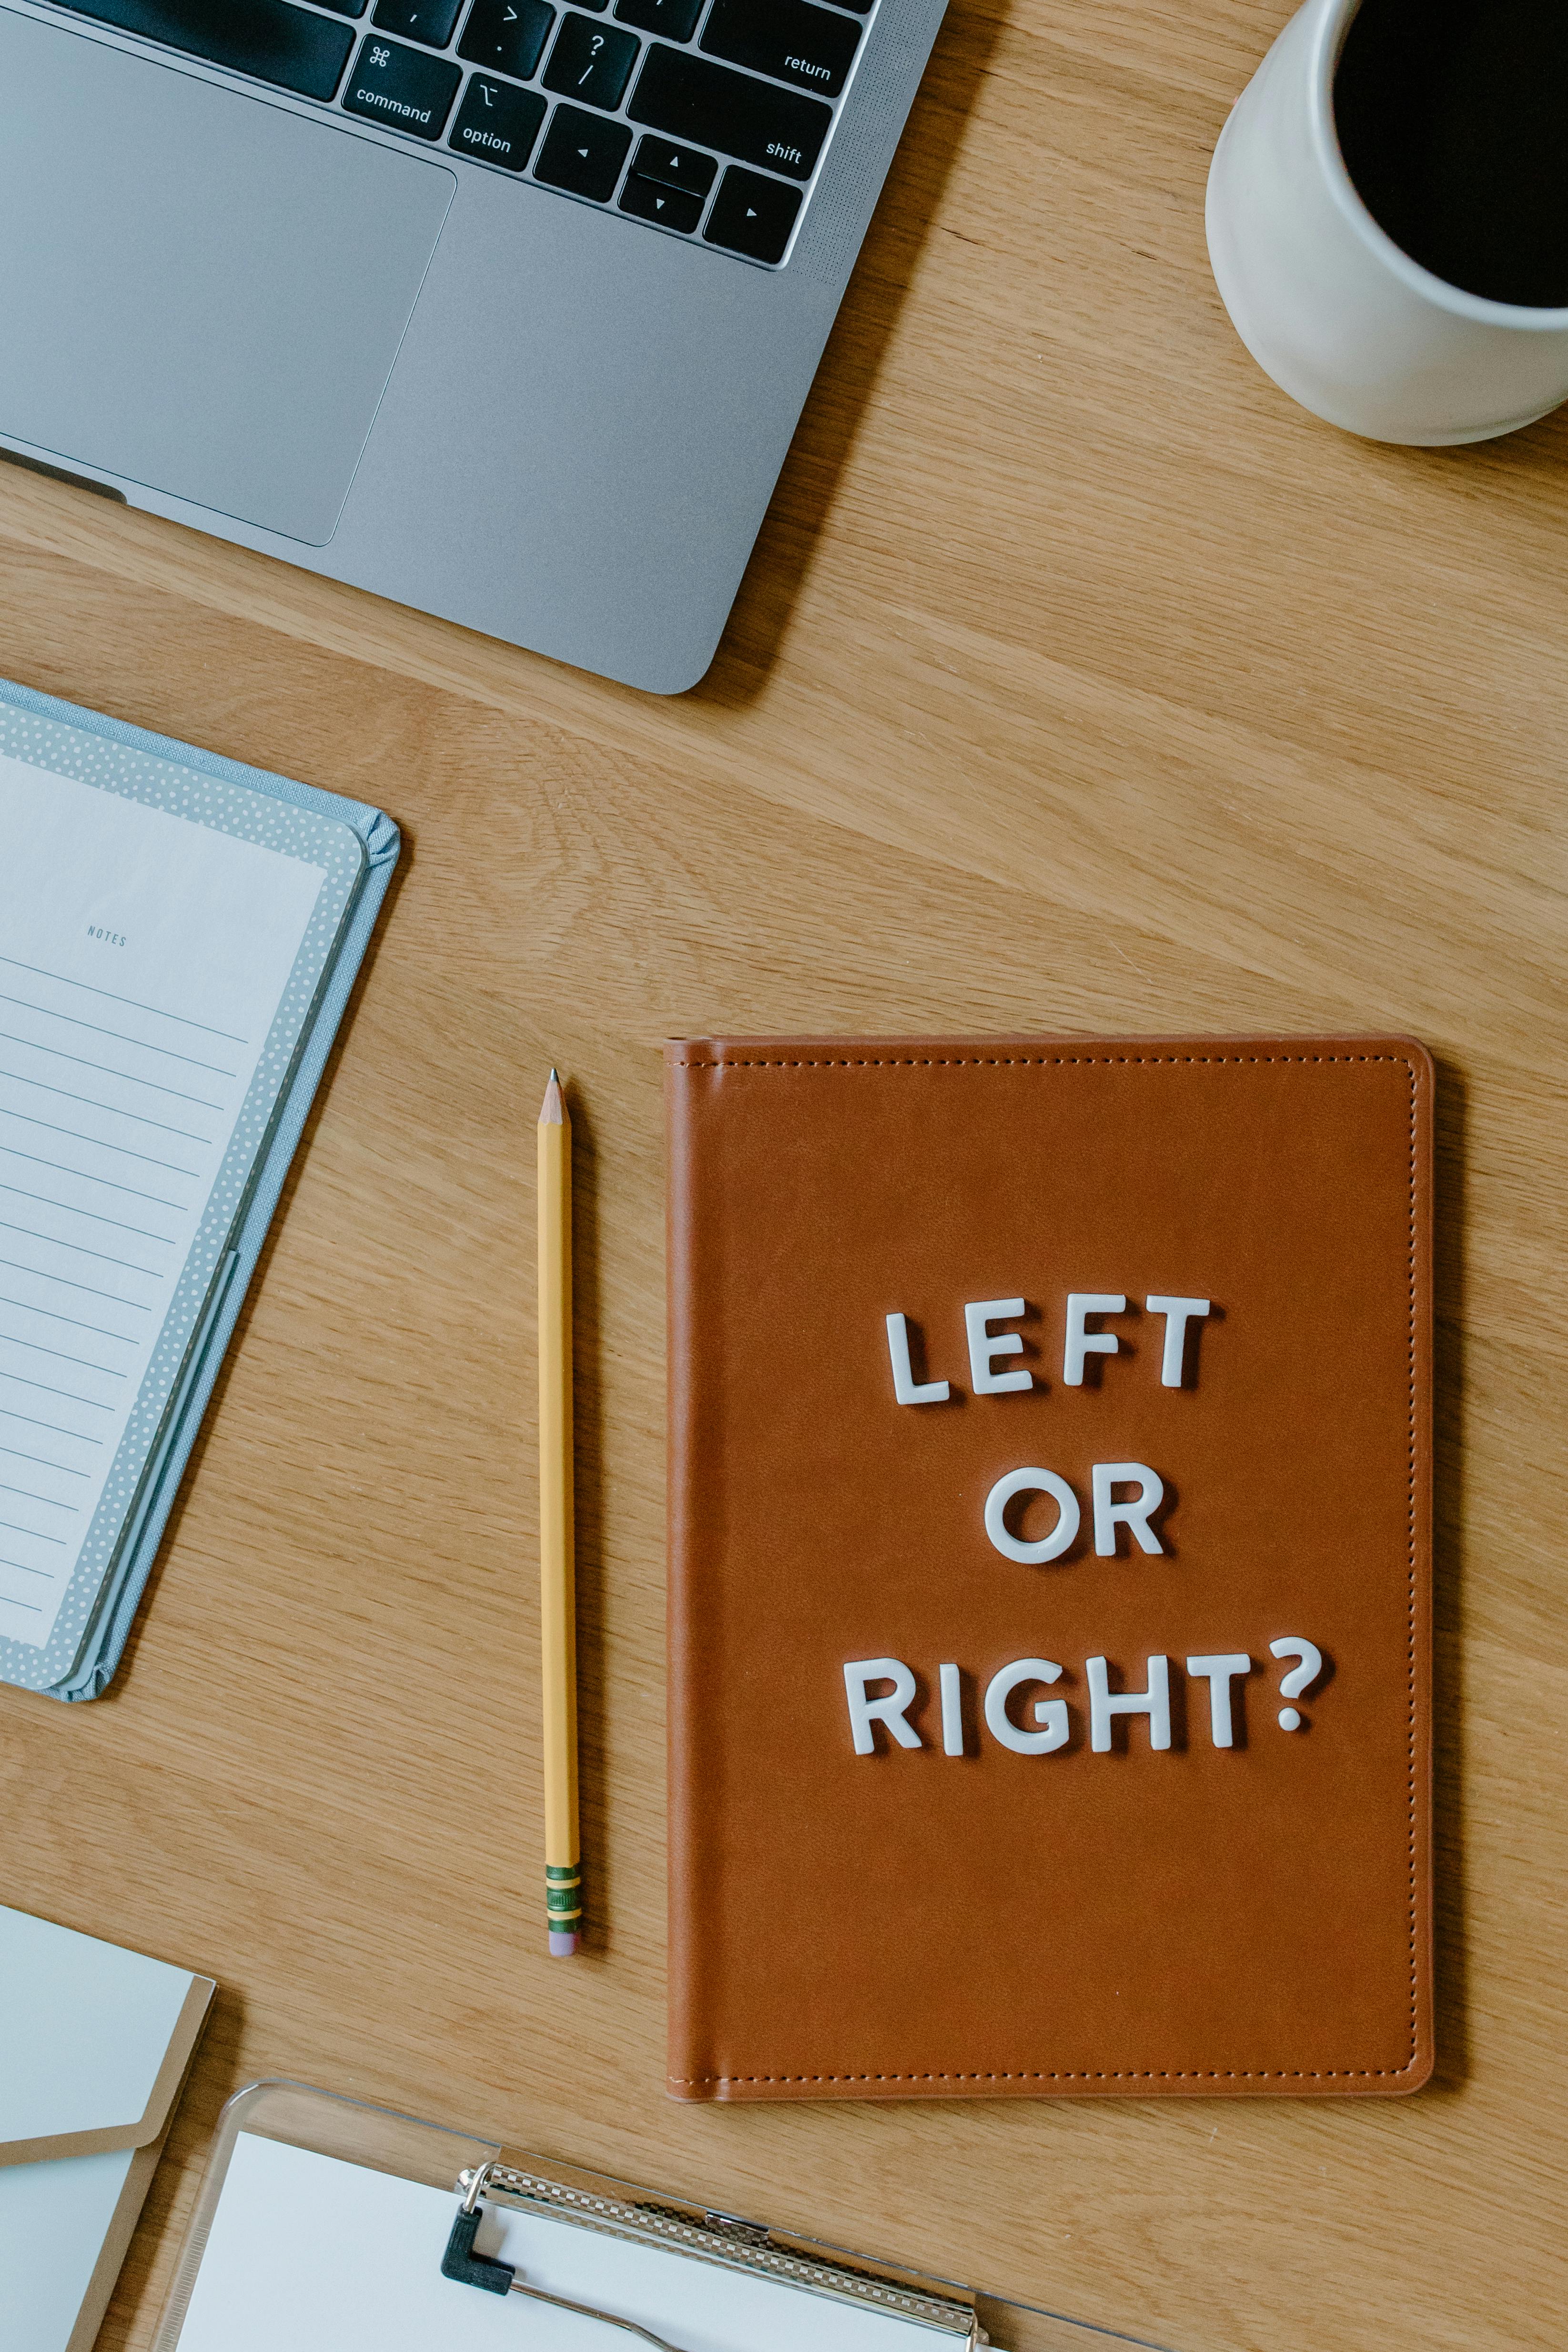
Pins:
x,y
145,958
178,936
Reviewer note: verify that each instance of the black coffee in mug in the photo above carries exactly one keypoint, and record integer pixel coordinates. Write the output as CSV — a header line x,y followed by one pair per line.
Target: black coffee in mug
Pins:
x,y
1452,118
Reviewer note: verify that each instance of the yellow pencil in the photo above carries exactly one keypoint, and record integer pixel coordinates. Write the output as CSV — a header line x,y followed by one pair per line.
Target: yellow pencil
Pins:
x,y
557,1605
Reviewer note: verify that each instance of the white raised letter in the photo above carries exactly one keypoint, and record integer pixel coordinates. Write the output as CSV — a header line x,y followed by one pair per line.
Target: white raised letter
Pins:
x,y
984,1350
1108,1514
1080,1342
865,1711
1300,1677
1031,1481
1178,1313
1105,1703
1050,1712
1221,1670
905,1387
951,1711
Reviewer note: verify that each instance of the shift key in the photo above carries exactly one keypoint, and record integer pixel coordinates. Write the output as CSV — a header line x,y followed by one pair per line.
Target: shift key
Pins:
x,y
711,107
813,47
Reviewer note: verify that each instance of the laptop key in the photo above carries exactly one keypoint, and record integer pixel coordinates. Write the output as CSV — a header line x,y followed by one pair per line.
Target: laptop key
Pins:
x,y
592,63
667,206
753,216
673,166
676,19
582,153
508,35
497,122
790,39
345,7
267,39
693,99
430,21
403,88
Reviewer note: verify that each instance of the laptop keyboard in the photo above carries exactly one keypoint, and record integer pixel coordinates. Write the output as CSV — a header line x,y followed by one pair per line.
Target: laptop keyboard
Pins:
x,y
703,117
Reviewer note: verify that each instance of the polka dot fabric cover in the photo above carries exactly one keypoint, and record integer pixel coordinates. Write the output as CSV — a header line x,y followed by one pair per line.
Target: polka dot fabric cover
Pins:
x,y
357,846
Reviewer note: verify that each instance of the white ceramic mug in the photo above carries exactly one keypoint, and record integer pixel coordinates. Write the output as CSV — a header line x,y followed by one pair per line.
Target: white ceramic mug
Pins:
x,y
1326,303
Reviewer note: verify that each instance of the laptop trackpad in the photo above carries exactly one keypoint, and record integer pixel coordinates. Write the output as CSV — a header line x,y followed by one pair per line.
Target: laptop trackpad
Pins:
x,y
201,292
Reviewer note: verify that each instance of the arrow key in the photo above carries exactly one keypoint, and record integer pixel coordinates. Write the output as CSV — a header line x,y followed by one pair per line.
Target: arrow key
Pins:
x,y
752,214
666,207
583,153
675,167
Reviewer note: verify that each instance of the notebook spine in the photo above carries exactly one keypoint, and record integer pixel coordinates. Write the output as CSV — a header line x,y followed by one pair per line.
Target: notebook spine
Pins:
x,y
687,2072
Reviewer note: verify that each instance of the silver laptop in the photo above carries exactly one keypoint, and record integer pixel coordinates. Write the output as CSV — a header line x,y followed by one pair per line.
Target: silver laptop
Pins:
x,y
503,309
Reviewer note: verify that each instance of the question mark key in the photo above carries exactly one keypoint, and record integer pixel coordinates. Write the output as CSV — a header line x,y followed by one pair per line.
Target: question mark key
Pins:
x,y
591,61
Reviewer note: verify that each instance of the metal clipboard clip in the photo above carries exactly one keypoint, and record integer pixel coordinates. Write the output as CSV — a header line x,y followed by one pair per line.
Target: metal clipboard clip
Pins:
x,y
467,2268
718,2236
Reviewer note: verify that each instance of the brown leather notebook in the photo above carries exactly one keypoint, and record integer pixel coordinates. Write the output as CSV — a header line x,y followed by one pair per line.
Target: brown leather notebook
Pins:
x,y
1050,1547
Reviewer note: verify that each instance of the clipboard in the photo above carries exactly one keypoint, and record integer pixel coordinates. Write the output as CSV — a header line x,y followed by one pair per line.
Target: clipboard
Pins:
x,y
816,2292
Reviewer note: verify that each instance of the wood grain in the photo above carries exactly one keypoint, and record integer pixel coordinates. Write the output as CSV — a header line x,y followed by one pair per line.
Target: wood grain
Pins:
x,y
1080,682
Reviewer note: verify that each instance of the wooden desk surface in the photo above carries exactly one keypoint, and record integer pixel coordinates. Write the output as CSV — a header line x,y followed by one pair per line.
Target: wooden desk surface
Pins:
x,y
1081,682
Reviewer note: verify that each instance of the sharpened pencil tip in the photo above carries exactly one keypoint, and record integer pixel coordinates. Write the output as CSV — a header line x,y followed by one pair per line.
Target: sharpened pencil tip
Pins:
x,y
553,1112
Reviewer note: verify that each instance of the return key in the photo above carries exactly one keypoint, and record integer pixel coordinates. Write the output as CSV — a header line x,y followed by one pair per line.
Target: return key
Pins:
x,y
812,47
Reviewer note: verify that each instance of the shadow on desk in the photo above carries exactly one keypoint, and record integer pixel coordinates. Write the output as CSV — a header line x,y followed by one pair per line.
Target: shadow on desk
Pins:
x,y
217,2071
1516,464
853,360
210,1418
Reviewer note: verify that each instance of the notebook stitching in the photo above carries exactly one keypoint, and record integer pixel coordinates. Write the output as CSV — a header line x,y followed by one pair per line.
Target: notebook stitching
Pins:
x,y
1066,2074
1047,1062
1161,2073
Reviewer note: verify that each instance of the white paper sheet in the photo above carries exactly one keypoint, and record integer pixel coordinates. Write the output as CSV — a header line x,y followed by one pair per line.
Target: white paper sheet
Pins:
x,y
143,959
317,2255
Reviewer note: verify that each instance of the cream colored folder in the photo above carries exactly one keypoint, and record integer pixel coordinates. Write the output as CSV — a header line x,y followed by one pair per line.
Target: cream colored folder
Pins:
x,y
95,2042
